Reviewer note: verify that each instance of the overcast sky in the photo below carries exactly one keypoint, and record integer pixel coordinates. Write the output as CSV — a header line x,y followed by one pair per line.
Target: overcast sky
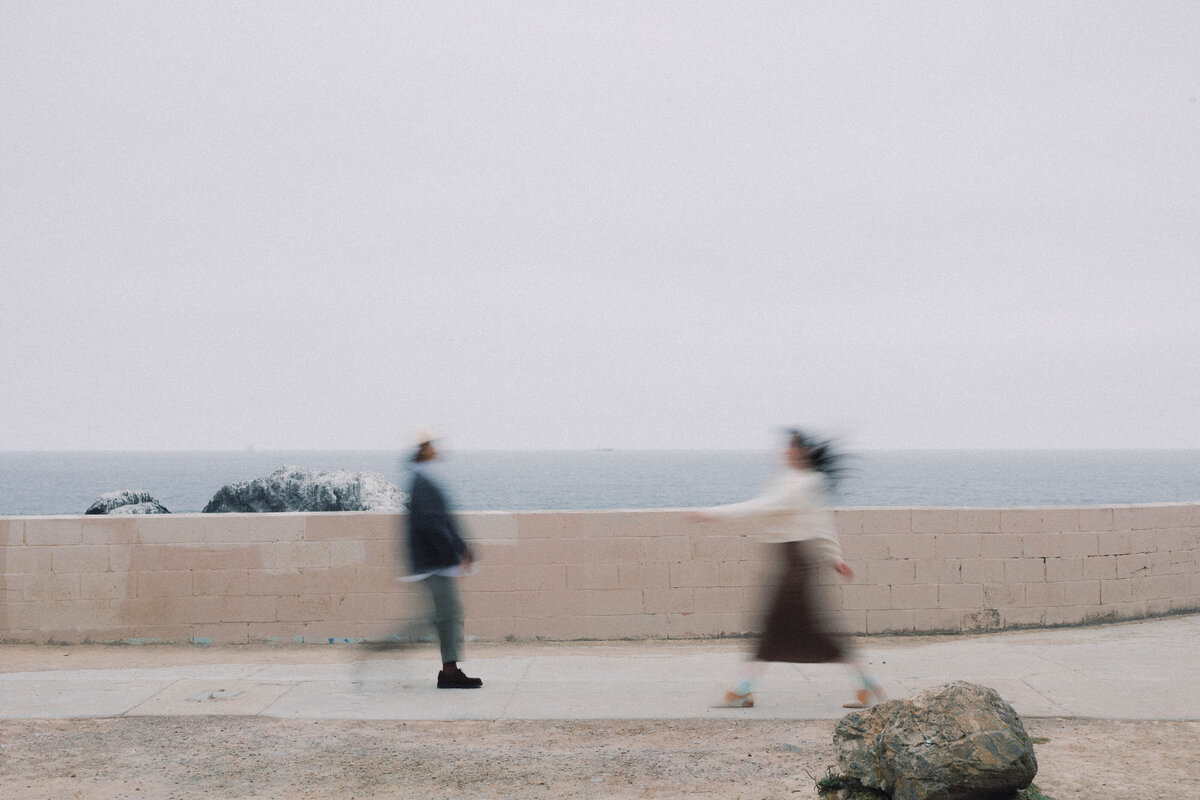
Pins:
x,y
572,225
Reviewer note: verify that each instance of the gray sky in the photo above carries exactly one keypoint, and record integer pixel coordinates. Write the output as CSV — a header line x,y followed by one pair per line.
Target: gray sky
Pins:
x,y
680,224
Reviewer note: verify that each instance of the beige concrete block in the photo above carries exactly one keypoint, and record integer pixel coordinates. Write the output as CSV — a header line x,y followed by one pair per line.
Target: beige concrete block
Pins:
x,y
848,521
45,531
357,608
212,529
702,626
979,520
1025,570
1021,520
1082,593
275,582
353,526
296,555
1041,545
490,527
958,545
891,621
610,551
1100,568
719,600
935,520
99,529
1061,570
940,570
248,609
1183,515
1181,605
891,572
24,560
644,575
309,607
1024,617
1080,543
196,556
1113,542
1001,545
172,583
1095,519
744,574
938,620
664,548
550,628
198,610
865,597
1144,541
1045,594
543,551
1135,518
719,548
1116,591
695,573
536,577
635,626
612,602
12,532
896,546
669,601
353,553
1066,615
220,582
105,586
79,558
551,525
967,596
1177,539
369,580
855,548
983,570
1060,520
887,520
492,629
593,576
914,596
1128,566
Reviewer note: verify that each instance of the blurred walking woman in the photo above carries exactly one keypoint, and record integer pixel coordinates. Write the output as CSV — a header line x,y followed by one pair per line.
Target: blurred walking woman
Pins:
x,y
797,524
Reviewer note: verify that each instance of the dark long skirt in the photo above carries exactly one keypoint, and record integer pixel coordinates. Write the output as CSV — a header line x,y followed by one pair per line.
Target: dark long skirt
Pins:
x,y
794,629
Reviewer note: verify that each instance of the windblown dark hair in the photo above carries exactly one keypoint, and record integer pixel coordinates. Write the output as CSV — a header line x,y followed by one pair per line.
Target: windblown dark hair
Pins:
x,y
823,455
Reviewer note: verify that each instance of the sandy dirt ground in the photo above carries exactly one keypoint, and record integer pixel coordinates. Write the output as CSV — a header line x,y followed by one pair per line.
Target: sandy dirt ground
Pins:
x,y
228,757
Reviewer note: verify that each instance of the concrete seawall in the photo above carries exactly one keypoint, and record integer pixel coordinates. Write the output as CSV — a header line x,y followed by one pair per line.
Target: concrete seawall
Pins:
x,y
236,578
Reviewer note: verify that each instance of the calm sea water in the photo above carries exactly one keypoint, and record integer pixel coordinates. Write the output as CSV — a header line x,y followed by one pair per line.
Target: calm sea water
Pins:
x,y
67,483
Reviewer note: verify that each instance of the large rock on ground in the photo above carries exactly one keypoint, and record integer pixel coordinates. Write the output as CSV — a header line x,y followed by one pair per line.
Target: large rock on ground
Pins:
x,y
126,502
302,489
959,741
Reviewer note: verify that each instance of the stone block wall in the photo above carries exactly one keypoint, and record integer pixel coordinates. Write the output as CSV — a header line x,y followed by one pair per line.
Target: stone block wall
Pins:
x,y
233,578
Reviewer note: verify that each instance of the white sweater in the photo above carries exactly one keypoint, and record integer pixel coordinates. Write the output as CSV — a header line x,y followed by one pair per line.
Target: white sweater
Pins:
x,y
792,509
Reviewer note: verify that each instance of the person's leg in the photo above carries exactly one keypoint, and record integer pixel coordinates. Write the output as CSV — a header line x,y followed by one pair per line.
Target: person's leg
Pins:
x,y
447,616
448,619
870,693
742,693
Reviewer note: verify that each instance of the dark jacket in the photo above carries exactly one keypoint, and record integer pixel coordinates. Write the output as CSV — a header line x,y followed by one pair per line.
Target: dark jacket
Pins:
x,y
433,539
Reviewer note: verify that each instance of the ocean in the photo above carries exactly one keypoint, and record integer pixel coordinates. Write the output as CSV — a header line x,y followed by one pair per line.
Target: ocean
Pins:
x,y
36,483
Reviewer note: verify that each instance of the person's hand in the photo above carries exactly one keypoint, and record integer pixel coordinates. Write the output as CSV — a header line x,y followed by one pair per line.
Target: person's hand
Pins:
x,y
698,516
844,570
468,558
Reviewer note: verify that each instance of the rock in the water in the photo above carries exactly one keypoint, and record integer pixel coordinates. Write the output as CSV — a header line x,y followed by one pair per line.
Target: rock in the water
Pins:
x,y
302,489
126,502
959,741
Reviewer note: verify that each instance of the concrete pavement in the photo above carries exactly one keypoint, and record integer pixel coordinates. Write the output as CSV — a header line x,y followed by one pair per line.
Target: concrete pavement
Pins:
x,y
1135,670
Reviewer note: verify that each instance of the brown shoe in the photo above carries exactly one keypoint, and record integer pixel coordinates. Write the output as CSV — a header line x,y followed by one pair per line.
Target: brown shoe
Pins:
x,y
735,700
865,698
